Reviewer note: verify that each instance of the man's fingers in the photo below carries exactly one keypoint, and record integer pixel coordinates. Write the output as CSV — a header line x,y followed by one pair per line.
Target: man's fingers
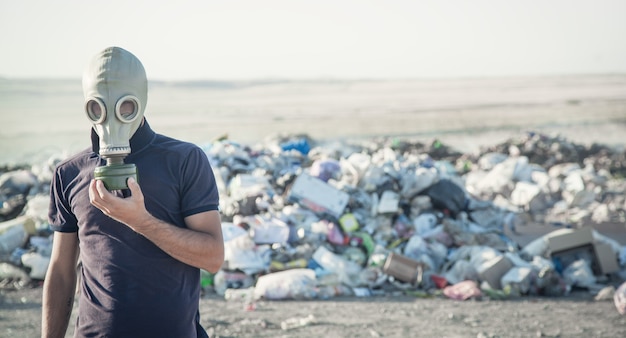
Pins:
x,y
132,184
102,190
135,190
92,191
98,193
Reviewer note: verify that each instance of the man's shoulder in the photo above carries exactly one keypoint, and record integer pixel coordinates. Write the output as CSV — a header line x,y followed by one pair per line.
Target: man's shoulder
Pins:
x,y
168,143
75,167
77,160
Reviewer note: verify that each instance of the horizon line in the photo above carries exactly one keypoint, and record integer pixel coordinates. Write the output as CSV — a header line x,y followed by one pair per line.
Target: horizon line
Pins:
x,y
279,79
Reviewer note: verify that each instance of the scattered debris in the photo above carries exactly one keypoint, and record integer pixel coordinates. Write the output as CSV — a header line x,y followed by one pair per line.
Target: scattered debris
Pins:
x,y
303,220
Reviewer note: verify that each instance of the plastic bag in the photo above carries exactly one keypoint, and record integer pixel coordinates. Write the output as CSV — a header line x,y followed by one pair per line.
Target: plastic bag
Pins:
x,y
288,284
463,290
461,270
579,273
241,253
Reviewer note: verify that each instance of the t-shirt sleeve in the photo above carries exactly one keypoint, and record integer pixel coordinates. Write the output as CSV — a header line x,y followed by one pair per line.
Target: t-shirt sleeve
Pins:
x,y
199,189
60,216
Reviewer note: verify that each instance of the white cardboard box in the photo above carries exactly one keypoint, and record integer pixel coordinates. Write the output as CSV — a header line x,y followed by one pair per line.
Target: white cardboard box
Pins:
x,y
567,247
319,196
492,270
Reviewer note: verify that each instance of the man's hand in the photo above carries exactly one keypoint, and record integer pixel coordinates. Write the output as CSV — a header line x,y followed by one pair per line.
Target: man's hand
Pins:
x,y
130,211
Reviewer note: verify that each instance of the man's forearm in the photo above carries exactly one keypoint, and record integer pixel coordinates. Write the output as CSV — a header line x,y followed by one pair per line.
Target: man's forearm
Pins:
x,y
57,304
195,248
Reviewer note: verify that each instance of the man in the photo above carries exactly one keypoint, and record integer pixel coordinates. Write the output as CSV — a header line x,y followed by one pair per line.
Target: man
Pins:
x,y
142,248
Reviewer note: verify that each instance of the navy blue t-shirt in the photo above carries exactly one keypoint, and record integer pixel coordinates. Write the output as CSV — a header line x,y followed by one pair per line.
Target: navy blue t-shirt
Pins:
x,y
130,287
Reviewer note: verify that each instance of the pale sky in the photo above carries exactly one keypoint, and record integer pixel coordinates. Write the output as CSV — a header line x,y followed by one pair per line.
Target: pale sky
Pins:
x,y
252,39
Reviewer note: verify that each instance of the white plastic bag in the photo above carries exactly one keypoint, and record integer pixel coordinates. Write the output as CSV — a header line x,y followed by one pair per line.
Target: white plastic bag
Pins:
x,y
288,284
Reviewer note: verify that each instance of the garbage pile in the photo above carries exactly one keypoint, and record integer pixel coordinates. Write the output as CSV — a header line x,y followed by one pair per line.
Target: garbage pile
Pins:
x,y
304,220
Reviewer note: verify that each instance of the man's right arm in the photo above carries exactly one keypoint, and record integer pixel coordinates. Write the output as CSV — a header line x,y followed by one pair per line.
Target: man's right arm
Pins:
x,y
59,285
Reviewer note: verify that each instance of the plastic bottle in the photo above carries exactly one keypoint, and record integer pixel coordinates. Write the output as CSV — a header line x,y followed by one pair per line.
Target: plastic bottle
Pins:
x,y
296,322
244,296
346,270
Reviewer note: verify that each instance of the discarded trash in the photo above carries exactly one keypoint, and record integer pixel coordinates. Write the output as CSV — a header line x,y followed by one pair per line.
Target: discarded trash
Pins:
x,y
12,277
244,296
296,322
492,271
305,220
289,284
606,294
463,290
403,268
318,196
14,234
619,299
37,263
518,279
346,270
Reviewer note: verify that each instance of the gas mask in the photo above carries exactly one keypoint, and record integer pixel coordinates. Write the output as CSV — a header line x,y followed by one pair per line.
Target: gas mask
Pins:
x,y
116,90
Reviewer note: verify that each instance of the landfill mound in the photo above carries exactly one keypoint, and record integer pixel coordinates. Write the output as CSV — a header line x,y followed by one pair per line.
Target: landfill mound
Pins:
x,y
303,219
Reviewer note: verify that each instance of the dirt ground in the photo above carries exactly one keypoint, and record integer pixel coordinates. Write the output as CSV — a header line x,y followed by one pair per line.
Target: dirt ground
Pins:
x,y
576,315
